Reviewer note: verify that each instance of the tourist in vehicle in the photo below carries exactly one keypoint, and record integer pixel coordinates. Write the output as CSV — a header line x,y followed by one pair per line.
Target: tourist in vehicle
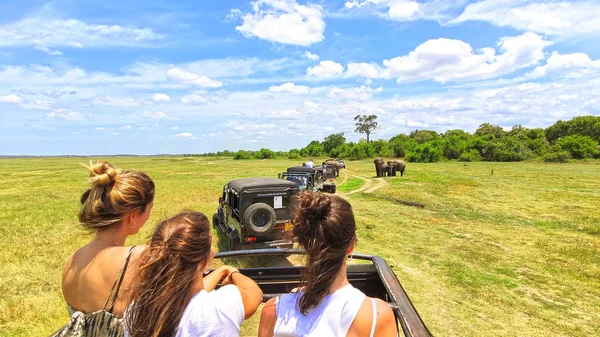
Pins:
x,y
172,297
310,163
95,277
325,304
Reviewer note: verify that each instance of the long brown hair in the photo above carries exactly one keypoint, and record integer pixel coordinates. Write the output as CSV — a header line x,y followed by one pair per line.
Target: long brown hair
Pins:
x,y
326,229
167,269
113,194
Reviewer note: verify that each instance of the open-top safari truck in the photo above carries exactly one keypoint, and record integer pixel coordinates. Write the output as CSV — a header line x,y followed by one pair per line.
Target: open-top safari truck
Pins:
x,y
375,279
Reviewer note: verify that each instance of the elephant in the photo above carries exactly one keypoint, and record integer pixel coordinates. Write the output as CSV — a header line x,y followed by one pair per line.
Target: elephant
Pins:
x,y
337,166
378,163
386,170
397,166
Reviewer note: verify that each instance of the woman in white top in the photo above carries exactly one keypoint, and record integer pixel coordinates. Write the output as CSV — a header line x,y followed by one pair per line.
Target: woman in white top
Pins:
x,y
172,297
325,304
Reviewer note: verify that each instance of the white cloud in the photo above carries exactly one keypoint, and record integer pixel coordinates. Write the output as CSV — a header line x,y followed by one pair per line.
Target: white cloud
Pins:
x,y
185,135
311,105
100,128
44,33
192,78
127,127
143,128
325,69
575,65
550,17
52,52
195,99
289,88
156,115
310,56
161,98
175,128
116,102
38,105
11,99
353,94
283,21
369,70
65,114
284,114
400,10
445,60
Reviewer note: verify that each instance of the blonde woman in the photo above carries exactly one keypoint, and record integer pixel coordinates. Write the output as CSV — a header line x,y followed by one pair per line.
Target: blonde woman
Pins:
x,y
96,277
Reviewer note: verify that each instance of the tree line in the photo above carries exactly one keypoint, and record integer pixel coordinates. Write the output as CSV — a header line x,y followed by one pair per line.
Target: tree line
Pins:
x,y
577,138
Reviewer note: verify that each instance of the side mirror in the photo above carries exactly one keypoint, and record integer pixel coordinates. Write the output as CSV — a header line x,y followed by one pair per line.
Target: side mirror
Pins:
x,y
220,200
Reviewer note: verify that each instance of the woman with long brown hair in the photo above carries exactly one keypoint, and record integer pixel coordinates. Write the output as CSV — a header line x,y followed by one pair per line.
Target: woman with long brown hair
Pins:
x,y
171,296
116,205
325,304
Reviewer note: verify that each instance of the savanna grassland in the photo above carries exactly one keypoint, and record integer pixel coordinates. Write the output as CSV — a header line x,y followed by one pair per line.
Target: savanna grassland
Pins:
x,y
515,252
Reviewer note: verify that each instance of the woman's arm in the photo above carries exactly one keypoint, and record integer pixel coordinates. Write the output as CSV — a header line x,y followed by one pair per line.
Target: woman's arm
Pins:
x,y
250,291
211,280
268,317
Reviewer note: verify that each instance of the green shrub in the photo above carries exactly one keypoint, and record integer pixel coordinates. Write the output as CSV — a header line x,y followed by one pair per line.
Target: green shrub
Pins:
x,y
241,154
470,156
556,157
578,146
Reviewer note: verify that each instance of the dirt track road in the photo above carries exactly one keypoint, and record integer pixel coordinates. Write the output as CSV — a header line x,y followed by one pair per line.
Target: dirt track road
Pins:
x,y
371,184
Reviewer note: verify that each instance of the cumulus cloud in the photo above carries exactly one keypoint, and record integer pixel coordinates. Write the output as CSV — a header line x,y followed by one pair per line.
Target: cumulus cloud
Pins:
x,y
127,127
45,34
185,135
399,10
311,105
11,99
192,78
284,114
156,115
116,102
65,114
282,21
161,97
310,56
289,88
445,60
550,17
362,93
576,65
325,69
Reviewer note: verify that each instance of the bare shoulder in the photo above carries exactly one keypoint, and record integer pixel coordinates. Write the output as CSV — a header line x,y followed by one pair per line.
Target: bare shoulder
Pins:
x,y
386,321
385,326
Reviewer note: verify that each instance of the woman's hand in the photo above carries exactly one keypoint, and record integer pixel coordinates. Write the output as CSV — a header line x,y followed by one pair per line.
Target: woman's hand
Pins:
x,y
220,274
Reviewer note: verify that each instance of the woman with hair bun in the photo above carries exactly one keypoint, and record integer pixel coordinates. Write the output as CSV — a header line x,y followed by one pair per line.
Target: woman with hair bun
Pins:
x,y
325,304
171,296
96,278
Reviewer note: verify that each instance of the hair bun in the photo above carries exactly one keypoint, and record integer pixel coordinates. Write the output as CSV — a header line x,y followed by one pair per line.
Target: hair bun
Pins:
x,y
312,209
102,173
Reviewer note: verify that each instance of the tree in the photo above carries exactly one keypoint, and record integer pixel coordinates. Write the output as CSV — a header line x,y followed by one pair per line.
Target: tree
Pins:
x,y
333,141
578,146
366,124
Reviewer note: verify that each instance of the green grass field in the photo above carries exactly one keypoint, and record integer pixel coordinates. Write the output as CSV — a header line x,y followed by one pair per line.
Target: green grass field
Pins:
x,y
513,253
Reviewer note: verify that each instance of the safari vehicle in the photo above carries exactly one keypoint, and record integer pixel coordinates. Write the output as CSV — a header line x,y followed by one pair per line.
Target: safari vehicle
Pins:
x,y
256,213
330,173
375,278
307,178
341,162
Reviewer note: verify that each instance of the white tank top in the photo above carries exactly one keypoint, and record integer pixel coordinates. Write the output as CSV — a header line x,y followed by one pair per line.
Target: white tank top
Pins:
x,y
332,317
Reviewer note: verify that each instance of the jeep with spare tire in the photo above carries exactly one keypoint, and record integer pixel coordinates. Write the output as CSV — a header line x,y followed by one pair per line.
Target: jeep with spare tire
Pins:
x,y
256,213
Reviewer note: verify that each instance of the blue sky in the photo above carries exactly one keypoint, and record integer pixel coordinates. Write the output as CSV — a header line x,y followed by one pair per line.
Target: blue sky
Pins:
x,y
139,77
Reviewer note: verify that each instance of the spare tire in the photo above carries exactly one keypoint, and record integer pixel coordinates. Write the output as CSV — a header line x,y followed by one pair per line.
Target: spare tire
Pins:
x,y
259,219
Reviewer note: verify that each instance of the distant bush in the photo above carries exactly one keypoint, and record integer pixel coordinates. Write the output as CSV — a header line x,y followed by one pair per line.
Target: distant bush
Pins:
x,y
470,156
241,154
294,154
556,157
578,146
265,154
